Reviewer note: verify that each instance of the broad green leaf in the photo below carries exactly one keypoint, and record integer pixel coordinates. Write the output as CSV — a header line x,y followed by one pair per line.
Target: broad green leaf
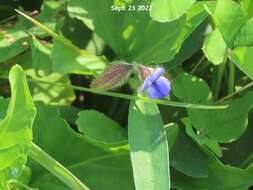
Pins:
x,y
100,128
86,161
242,57
169,10
47,91
201,138
248,7
190,46
245,35
12,43
194,163
75,10
134,36
239,153
148,147
67,60
215,48
41,55
228,17
222,125
220,177
16,128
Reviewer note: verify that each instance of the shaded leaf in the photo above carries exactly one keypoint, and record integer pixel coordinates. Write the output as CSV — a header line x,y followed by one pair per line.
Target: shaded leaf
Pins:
x,y
245,35
242,57
100,128
222,125
86,161
194,163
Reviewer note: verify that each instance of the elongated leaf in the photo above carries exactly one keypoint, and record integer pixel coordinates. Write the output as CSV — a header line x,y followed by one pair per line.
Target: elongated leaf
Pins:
x,y
16,128
148,147
169,10
248,7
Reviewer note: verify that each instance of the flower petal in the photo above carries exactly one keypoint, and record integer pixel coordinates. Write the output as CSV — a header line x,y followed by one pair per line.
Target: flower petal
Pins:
x,y
156,74
147,83
160,89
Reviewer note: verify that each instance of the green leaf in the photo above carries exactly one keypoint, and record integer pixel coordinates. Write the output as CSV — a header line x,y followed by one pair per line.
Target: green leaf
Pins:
x,y
16,128
148,146
41,55
228,17
169,10
215,48
222,125
221,177
49,93
245,34
12,43
242,57
100,128
248,7
67,60
194,163
86,161
136,37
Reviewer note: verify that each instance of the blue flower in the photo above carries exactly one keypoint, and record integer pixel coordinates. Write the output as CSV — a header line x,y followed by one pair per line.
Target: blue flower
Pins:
x,y
156,85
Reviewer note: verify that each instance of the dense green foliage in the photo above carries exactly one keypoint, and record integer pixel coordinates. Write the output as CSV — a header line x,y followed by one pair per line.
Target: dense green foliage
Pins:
x,y
57,133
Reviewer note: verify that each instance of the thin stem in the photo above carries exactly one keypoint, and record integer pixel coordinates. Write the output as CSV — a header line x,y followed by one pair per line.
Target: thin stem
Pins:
x,y
56,168
198,64
231,79
236,92
8,19
131,97
219,79
53,34
127,96
22,185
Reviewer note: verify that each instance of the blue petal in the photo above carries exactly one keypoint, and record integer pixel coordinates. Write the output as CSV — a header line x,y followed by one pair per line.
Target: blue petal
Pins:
x,y
156,74
160,89
147,83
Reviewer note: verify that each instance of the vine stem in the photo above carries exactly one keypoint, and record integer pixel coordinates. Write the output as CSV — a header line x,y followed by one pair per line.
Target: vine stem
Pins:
x,y
45,160
236,92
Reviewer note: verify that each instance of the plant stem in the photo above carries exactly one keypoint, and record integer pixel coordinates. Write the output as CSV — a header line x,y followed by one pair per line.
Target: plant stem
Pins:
x,y
53,34
219,79
198,64
37,154
231,79
234,93
127,96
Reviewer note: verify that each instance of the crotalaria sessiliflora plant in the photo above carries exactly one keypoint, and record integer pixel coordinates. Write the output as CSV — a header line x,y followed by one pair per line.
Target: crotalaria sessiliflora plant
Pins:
x,y
110,125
